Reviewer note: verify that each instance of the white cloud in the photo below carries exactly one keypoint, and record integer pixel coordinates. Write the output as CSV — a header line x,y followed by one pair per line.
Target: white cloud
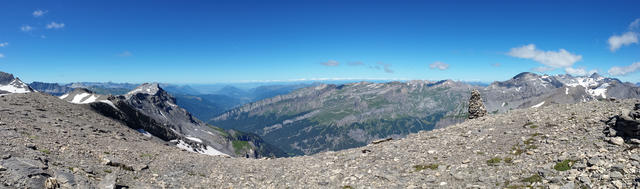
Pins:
x,y
331,63
39,13
26,28
543,69
1,55
55,25
555,59
386,67
4,44
624,70
439,65
635,24
125,54
579,71
358,63
617,41
496,64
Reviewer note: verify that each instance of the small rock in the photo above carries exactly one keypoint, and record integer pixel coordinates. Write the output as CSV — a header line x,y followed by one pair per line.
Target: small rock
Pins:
x,y
634,141
105,161
443,183
51,183
634,157
569,185
616,175
6,156
108,182
431,151
594,161
617,141
544,173
585,180
31,146
140,167
2,168
618,168
618,184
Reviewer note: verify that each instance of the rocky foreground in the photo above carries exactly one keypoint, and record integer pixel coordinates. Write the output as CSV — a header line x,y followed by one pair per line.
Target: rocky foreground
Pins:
x,y
46,142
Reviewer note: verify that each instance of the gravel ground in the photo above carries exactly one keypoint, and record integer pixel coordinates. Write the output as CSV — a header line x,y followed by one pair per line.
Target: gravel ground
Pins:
x,y
46,142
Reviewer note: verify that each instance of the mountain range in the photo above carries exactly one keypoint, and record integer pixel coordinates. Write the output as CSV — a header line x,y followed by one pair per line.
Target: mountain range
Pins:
x,y
335,117
150,110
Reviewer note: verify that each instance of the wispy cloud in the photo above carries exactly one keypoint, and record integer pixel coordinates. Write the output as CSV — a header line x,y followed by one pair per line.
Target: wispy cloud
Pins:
x,y
579,71
496,64
1,55
624,70
55,25
439,65
26,28
4,44
553,59
331,63
617,41
542,69
39,13
125,54
627,38
635,24
386,67
358,63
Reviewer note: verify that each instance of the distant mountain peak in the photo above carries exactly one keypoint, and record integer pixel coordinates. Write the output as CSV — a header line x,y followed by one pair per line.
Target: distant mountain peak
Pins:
x,y
147,88
525,75
9,84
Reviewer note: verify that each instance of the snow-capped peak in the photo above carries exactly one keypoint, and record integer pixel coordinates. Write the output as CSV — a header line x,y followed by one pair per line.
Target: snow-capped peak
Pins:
x,y
13,85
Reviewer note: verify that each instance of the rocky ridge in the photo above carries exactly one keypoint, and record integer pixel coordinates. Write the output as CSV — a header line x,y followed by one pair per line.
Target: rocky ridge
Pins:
x,y
553,146
152,111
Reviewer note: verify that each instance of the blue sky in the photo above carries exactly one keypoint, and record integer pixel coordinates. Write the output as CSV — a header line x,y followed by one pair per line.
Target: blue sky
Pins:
x,y
240,41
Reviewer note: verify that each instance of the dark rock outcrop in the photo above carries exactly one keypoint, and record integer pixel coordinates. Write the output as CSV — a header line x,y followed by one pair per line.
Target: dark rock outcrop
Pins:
x,y
626,124
476,107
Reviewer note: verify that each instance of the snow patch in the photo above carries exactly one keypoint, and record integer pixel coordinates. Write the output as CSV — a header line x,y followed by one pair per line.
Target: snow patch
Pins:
x,y
208,150
64,96
194,139
110,103
600,91
91,99
13,89
566,90
78,98
538,105
503,104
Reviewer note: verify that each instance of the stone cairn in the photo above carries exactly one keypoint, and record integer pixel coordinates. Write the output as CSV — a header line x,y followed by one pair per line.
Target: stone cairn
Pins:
x,y
476,108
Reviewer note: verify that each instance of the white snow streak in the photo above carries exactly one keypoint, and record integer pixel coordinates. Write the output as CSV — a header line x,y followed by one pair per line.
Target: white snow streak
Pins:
x,y
538,105
64,96
78,98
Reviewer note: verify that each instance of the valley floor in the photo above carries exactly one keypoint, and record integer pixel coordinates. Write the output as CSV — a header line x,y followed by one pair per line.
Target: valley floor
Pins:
x,y
43,138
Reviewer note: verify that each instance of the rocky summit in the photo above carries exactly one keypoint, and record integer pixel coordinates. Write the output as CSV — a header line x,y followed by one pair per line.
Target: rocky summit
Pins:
x,y
49,142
